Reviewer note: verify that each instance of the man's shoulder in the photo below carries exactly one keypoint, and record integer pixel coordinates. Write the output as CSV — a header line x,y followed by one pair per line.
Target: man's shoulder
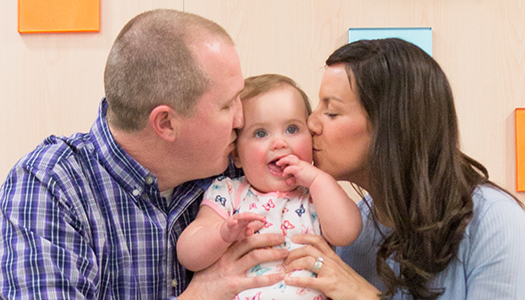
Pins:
x,y
55,167
56,152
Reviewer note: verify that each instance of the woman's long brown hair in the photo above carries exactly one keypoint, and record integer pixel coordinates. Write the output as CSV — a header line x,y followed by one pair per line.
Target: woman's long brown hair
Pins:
x,y
421,180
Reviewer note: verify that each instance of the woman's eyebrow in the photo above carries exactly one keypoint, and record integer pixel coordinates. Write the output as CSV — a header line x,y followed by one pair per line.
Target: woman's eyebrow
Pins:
x,y
331,98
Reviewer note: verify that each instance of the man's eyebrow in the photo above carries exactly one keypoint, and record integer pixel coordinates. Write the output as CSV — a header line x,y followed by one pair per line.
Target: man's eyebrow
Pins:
x,y
236,95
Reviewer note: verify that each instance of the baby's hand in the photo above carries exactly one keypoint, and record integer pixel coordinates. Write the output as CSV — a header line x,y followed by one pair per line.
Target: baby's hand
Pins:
x,y
301,172
240,226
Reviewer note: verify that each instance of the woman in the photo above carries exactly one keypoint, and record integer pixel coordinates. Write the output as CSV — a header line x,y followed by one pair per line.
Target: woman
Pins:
x,y
434,226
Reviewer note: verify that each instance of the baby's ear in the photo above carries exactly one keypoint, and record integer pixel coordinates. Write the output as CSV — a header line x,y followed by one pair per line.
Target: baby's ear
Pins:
x,y
235,157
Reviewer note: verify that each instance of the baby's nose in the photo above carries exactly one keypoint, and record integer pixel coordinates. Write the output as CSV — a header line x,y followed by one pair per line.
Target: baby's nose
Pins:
x,y
279,144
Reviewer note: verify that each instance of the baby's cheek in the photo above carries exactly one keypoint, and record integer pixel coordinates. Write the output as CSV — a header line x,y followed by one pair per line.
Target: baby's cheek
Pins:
x,y
304,151
255,158
259,156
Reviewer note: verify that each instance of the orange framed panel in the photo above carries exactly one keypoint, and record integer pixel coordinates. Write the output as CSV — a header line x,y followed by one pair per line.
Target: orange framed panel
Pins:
x,y
520,149
58,16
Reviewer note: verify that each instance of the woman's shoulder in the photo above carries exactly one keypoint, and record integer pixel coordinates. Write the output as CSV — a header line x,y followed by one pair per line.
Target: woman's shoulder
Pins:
x,y
491,194
491,202
491,253
497,222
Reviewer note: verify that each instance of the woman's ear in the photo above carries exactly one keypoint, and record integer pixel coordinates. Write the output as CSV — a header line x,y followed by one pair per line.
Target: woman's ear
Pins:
x,y
235,157
165,122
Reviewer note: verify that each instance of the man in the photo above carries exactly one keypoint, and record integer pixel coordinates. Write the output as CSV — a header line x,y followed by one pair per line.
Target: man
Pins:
x,y
97,215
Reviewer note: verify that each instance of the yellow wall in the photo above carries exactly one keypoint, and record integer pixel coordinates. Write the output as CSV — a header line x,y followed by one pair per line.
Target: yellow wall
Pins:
x,y
52,83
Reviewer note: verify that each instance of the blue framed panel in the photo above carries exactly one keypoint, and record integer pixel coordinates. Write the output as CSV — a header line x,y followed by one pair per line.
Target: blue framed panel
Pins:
x,y
421,36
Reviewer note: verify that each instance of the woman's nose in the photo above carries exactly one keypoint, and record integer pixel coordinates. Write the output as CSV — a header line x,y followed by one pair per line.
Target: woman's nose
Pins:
x,y
313,124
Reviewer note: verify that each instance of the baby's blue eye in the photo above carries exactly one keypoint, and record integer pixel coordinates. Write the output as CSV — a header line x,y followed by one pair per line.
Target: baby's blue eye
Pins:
x,y
259,133
292,129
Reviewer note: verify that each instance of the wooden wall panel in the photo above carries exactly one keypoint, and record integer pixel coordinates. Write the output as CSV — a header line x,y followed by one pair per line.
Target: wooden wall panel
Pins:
x,y
53,83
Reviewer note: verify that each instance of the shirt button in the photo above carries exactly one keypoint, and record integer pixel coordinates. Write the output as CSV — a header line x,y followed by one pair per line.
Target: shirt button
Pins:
x,y
149,180
174,283
136,193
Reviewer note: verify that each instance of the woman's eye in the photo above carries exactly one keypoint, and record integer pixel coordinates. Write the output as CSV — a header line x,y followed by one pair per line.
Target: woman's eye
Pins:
x,y
292,129
330,115
259,133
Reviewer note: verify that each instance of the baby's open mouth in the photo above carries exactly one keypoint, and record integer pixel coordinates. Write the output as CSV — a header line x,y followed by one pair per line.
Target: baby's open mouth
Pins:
x,y
274,168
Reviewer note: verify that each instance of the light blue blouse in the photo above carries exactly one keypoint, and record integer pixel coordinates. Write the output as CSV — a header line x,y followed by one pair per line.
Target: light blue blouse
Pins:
x,y
491,257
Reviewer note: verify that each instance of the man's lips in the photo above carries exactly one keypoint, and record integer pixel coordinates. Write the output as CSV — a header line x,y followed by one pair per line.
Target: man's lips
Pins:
x,y
231,146
233,139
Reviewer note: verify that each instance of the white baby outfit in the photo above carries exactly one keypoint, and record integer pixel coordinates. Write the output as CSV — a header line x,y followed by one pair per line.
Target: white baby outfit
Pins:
x,y
289,213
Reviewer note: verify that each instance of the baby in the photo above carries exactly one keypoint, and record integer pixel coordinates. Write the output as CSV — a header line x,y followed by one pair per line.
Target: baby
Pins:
x,y
281,192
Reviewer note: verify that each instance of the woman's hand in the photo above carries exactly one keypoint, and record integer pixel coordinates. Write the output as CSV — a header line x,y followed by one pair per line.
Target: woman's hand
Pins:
x,y
335,278
227,277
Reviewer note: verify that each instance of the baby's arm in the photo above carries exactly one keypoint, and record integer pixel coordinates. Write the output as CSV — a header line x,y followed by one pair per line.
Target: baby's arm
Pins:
x,y
339,216
209,236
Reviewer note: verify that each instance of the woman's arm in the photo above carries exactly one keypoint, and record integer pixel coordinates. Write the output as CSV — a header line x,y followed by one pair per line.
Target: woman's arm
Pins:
x,y
206,239
335,278
339,216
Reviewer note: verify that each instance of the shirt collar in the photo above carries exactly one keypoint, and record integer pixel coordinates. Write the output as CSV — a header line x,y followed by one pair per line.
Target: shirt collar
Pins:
x,y
123,168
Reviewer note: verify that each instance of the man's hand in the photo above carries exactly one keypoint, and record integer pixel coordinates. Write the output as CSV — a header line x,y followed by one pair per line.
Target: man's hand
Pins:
x,y
227,277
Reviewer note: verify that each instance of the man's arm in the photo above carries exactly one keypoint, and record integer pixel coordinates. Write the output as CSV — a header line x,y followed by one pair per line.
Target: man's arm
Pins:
x,y
41,249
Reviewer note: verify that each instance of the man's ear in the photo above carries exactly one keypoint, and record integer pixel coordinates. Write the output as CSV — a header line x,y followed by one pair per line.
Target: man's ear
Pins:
x,y
165,122
235,157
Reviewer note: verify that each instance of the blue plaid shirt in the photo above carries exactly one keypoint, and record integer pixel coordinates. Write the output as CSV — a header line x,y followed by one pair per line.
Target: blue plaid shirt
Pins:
x,y
81,219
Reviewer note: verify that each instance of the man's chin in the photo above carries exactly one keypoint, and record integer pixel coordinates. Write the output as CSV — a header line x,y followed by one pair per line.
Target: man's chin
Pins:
x,y
223,166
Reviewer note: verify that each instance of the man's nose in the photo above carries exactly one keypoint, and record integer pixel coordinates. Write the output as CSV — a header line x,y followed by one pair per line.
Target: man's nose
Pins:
x,y
238,118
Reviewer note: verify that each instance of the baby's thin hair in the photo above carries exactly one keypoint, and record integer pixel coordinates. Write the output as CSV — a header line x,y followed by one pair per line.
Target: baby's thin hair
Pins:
x,y
260,84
